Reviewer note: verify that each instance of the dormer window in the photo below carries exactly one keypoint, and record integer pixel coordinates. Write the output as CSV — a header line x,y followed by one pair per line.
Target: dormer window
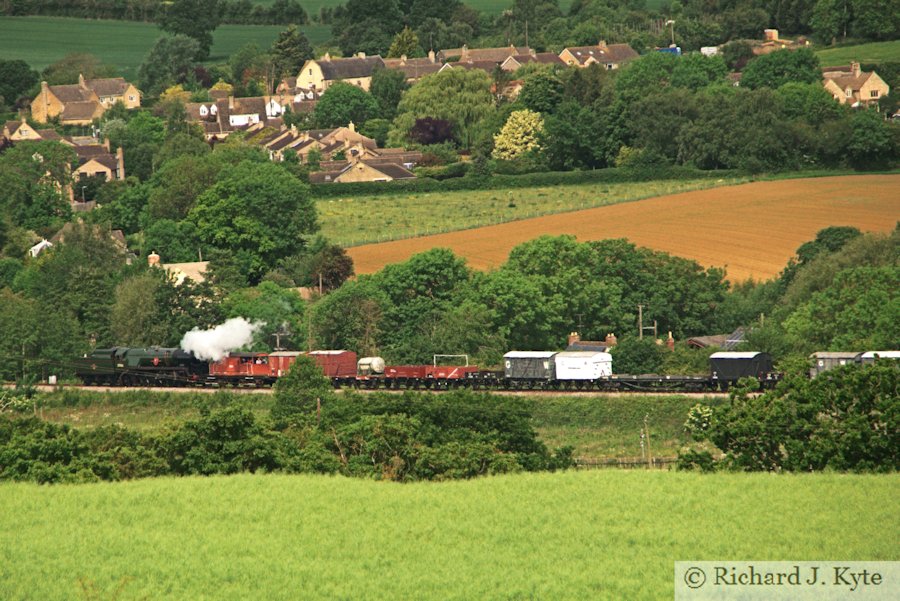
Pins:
x,y
203,111
213,110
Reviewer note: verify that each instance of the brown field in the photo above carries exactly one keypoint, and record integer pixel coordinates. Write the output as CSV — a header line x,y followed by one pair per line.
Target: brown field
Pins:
x,y
750,229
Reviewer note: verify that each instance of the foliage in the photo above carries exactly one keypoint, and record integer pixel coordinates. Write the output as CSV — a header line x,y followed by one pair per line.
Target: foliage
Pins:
x,y
840,420
519,135
16,80
387,88
170,61
462,97
257,212
33,176
290,51
405,43
279,309
784,66
67,69
541,91
637,356
343,103
196,19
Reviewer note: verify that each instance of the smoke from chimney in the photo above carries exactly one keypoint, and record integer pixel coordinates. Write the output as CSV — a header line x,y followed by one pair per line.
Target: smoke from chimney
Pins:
x,y
214,344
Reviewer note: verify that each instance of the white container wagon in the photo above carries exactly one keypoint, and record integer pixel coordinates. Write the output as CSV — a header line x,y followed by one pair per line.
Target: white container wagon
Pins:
x,y
583,365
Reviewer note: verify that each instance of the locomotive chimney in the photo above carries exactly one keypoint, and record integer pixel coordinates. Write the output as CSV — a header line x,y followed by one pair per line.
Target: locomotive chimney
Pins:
x,y
153,259
611,340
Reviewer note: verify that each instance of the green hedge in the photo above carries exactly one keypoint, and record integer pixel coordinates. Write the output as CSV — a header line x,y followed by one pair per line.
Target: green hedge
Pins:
x,y
530,180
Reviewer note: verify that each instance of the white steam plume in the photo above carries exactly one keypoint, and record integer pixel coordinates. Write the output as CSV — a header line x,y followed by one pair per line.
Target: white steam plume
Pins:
x,y
215,343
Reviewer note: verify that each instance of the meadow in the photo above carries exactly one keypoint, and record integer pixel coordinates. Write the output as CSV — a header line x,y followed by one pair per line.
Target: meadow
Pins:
x,y
599,427
357,220
40,41
874,52
606,535
751,229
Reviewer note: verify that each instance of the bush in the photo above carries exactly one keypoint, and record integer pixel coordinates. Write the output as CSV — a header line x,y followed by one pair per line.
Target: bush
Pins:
x,y
501,182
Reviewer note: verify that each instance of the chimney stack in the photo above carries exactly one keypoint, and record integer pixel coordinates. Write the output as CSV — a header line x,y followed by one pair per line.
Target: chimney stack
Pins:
x,y
854,68
771,35
120,161
601,44
670,342
351,126
431,57
611,340
361,55
573,338
153,259
230,102
81,83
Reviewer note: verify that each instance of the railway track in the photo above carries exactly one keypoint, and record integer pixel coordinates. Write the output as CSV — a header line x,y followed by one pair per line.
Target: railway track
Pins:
x,y
251,390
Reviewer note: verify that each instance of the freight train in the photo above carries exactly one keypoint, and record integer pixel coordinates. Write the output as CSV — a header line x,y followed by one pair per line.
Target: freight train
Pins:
x,y
522,370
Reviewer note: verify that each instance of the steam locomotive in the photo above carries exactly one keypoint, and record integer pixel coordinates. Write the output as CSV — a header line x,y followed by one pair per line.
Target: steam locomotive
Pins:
x,y
522,370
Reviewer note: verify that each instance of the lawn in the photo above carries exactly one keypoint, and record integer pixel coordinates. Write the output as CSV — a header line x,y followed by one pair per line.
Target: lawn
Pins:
x,y
357,220
576,535
875,52
41,41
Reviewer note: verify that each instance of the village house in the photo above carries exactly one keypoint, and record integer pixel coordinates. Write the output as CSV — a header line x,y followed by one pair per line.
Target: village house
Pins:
x,y
849,84
319,74
513,62
300,100
494,55
18,131
361,171
81,103
328,142
414,68
609,56
223,116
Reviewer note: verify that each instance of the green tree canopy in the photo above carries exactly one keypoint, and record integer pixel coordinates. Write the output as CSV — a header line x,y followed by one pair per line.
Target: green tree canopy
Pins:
x,y
196,19
16,79
406,43
258,213
781,67
289,51
387,88
170,61
460,96
342,103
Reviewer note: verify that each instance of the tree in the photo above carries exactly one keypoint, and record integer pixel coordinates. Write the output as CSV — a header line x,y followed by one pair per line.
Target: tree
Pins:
x,y
781,67
134,318
377,129
290,51
16,79
519,135
542,92
696,71
406,43
170,61
650,71
196,19
350,317
431,131
872,144
140,140
300,393
343,103
258,213
387,88
67,69
325,264
178,182
250,70
277,308
636,356
832,18
876,19
460,96
33,177
179,145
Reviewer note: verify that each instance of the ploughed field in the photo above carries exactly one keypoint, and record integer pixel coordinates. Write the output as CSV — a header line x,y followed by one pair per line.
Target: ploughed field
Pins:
x,y
749,229
602,534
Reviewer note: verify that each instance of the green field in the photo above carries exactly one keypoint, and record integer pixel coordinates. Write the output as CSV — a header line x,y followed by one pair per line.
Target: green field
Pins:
x,y
350,221
576,535
493,7
875,52
42,40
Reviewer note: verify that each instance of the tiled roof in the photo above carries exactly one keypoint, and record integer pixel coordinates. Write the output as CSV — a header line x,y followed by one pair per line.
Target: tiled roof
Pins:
x,y
393,170
79,111
345,68
611,53
70,93
486,54
112,86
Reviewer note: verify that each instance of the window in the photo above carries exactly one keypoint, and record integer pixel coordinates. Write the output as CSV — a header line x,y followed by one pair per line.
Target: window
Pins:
x,y
310,71
131,98
873,94
849,93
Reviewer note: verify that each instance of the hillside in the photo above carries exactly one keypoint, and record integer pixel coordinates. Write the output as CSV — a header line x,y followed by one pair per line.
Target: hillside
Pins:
x,y
40,41
750,229
574,535
875,52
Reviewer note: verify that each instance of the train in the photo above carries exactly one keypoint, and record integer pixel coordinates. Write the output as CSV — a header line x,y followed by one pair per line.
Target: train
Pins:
x,y
522,370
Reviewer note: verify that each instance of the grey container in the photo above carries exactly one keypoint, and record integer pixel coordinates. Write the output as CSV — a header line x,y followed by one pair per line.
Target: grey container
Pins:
x,y
529,365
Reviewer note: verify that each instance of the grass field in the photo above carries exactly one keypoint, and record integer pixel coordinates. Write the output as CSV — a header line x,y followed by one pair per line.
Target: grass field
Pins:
x,y
357,220
41,41
875,52
600,427
606,535
751,229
